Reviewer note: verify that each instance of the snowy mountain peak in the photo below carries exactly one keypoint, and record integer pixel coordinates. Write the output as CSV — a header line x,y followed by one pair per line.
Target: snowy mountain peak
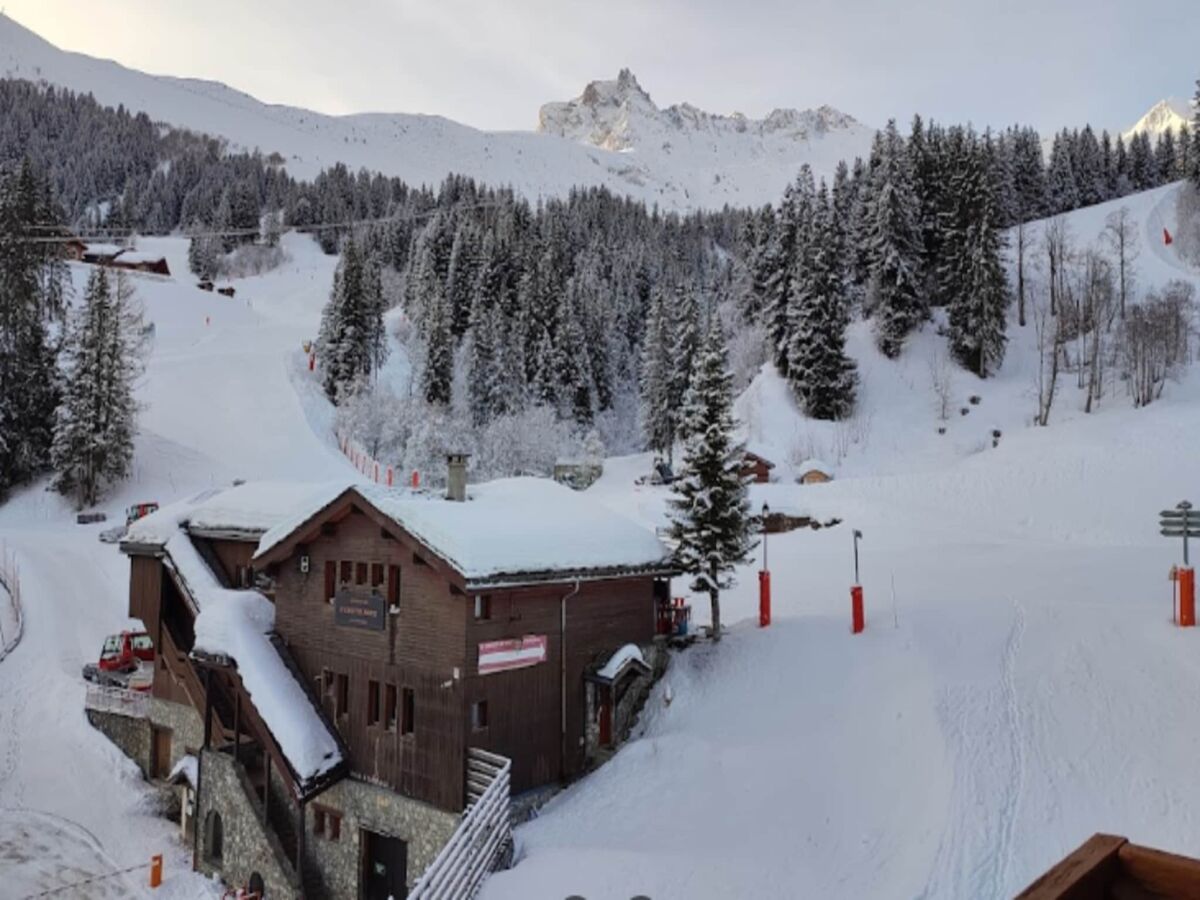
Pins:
x,y
1165,115
620,116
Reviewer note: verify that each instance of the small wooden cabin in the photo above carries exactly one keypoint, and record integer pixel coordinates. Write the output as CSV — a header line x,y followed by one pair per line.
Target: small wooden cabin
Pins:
x,y
138,261
1108,867
814,471
756,467
73,249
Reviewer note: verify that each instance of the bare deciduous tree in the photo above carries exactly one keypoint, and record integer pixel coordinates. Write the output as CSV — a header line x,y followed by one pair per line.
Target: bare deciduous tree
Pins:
x,y
1120,238
1154,340
941,379
1051,337
1056,240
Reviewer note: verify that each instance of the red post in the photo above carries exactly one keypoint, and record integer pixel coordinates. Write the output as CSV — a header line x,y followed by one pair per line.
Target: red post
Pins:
x,y
312,361
416,479
857,620
764,599
156,870
1187,597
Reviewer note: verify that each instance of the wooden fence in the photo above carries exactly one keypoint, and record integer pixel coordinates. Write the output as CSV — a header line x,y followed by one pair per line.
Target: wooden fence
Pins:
x,y
10,583
481,838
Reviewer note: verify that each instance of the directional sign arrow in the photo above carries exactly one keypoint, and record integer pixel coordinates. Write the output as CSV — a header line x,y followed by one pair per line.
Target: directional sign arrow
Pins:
x,y
1174,514
1179,532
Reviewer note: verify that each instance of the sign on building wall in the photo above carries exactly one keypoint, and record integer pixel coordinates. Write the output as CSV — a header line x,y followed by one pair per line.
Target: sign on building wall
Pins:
x,y
360,609
515,653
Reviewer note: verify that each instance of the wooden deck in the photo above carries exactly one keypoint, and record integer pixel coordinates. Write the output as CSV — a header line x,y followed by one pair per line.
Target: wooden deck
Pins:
x,y
1108,867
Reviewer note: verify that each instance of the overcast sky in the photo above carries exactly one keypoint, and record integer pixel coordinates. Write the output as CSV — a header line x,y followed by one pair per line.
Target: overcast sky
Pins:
x,y
492,64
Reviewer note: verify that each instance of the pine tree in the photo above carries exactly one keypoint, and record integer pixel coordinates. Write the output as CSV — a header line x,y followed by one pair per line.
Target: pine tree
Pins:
x,y
1061,188
978,299
895,290
822,376
657,414
710,517
29,383
437,376
95,425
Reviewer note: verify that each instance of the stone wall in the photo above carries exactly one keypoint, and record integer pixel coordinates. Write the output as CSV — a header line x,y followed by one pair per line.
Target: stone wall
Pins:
x,y
625,711
247,848
131,735
185,724
367,807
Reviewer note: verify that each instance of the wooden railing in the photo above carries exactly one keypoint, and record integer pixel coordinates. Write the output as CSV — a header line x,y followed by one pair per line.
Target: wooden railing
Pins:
x,y
1107,866
481,837
109,699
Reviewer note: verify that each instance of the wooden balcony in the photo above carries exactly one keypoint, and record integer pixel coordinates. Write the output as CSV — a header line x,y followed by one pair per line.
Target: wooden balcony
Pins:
x,y
1107,867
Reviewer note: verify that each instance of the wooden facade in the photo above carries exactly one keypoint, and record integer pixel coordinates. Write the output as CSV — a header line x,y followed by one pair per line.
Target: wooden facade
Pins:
x,y
756,468
428,649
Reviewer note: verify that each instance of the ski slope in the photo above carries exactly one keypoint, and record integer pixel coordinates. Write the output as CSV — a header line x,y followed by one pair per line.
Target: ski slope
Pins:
x,y
1019,685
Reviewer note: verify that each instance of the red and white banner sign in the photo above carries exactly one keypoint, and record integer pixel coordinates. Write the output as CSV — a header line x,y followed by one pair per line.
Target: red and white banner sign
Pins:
x,y
517,653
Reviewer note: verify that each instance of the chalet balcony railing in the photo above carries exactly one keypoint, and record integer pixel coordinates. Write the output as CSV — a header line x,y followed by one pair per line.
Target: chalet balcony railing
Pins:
x,y
481,837
109,699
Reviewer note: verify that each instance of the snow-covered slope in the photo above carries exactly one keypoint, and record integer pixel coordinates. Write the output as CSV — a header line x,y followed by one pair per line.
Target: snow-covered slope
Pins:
x,y
1165,115
711,161
1019,687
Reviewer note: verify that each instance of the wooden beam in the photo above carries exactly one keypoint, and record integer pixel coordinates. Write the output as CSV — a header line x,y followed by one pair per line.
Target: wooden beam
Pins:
x,y
1162,874
1083,875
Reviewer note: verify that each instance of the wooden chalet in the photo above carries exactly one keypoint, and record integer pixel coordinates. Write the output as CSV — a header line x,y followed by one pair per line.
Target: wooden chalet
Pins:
x,y
412,641
756,467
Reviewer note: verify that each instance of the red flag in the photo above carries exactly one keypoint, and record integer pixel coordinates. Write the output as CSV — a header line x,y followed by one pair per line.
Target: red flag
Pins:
x,y
1166,237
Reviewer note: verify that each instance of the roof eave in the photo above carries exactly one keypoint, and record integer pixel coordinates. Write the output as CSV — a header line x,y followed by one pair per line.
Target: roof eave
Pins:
x,y
569,576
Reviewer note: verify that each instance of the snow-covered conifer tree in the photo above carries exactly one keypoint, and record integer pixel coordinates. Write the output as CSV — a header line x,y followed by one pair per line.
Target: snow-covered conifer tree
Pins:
x,y
710,516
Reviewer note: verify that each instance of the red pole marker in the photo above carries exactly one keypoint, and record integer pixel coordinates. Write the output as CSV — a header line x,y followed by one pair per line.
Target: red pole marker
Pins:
x,y
1187,597
857,619
764,599
416,479
156,867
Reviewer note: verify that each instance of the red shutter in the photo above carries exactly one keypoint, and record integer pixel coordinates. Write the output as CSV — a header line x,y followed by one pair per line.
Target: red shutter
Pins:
x,y
330,580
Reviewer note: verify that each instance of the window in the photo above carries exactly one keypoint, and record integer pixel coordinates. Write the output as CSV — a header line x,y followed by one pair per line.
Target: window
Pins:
x,y
483,607
327,823
393,589
479,715
376,574
327,683
330,580
360,573
389,707
215,834
343,694
408,720
372,702
347,568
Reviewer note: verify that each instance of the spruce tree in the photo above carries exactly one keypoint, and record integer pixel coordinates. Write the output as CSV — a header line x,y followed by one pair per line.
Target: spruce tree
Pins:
x,y
352,342
657,414
710,510
95,425
821,375
895,289
1061,188
1194,174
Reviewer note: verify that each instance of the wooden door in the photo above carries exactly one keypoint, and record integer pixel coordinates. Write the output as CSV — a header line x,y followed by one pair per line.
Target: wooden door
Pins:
x,y
160,753
385,867
606,722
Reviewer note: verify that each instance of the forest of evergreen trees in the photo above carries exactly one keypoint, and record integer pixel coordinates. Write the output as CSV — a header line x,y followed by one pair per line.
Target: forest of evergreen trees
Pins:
x,y
577,321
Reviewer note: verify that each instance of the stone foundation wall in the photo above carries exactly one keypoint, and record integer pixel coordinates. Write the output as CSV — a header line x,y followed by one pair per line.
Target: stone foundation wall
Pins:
x,y
247,848
185,724
131,735
366,807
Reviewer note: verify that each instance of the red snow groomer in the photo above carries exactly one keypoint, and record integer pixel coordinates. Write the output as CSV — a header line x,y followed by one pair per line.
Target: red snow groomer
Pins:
x,y
121,661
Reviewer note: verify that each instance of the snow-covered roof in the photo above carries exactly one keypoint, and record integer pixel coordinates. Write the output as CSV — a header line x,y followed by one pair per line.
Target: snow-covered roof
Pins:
x,y
140,256
237,624
813,465
187,769
102,249
630,653
249,509
508,528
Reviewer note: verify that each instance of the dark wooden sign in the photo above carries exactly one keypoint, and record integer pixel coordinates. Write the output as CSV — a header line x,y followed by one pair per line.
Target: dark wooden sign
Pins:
x,y
360,609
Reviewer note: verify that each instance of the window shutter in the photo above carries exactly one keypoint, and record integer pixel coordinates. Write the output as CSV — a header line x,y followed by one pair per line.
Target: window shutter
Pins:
x,y
330,580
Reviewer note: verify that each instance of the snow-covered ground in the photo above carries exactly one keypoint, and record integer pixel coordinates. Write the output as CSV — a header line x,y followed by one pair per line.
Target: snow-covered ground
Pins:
x,y
1019,685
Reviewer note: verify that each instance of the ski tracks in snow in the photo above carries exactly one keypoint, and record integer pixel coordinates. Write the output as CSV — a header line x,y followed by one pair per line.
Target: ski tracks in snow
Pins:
x,y
985,733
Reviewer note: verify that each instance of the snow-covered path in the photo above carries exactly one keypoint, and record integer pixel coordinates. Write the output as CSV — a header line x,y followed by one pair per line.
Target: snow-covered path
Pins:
x,y
225,396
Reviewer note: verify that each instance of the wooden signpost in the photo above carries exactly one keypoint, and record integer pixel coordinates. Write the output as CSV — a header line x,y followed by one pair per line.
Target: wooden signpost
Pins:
x,y
1182,522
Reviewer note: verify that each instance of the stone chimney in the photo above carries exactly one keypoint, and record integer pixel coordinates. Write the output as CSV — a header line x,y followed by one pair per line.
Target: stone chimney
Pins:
x,y
456,476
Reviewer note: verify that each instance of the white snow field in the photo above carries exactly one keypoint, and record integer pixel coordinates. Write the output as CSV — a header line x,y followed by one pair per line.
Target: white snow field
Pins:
x,y
1024,688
